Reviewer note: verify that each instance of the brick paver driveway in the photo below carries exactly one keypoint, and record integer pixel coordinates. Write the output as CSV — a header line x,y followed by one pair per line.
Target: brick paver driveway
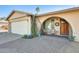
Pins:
x,y
43,44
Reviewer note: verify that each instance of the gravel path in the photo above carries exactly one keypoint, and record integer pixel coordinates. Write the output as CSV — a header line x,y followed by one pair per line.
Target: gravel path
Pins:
x,y
43,44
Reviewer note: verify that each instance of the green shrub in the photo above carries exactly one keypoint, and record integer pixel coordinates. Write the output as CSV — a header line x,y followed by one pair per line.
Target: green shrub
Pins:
x,y
27,37
71,38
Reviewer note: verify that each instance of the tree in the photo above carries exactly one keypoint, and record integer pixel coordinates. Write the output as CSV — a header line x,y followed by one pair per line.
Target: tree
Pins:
x,y
37,10
34,25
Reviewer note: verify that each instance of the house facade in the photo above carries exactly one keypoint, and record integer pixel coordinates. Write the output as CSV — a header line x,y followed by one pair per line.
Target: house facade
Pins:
x,y
3,25
61,23
19,23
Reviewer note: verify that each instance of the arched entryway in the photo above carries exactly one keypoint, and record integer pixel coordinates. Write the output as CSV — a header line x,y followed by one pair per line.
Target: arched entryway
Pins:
x,y
56,26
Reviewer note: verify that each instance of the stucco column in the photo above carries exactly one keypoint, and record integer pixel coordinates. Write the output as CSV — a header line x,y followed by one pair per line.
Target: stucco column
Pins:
x,y
9,26
38,27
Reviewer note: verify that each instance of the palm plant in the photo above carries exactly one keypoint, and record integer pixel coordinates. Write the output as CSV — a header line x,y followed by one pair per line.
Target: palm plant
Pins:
x,y
34,25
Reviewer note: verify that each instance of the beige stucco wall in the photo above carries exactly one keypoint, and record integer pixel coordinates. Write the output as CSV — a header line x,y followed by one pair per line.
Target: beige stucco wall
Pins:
x,y
20,25
16,15
71,16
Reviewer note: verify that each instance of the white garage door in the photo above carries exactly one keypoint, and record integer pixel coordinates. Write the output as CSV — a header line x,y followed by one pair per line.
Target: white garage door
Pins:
x,y
21,27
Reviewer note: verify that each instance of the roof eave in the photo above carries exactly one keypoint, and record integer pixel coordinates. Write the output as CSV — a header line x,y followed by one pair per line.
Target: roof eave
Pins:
x,y
18,12
60,11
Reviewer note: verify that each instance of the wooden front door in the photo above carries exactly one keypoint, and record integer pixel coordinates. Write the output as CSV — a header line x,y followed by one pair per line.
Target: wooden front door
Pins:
x,y
64,28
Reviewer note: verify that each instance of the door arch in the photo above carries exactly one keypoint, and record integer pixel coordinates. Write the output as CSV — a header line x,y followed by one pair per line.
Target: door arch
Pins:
x,y
56,26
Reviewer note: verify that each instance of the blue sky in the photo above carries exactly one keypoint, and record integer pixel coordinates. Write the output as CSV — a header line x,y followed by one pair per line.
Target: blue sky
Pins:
x,y
6,9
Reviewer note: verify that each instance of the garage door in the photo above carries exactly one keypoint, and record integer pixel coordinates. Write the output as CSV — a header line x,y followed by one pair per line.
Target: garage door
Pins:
x,y
21,27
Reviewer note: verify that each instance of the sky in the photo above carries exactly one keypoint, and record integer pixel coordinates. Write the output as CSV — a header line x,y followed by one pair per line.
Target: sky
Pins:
x,y
5,10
